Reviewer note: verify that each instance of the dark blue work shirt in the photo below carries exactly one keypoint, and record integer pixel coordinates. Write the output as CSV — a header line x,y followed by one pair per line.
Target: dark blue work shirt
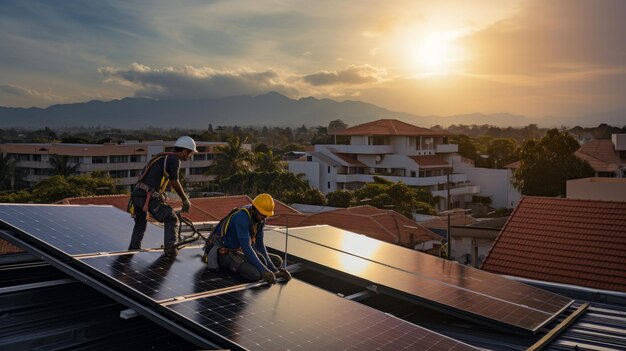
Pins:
x,y
238,235
156,172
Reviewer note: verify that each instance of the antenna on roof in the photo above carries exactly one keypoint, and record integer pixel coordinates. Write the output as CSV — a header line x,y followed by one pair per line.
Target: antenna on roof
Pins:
x,y
286,236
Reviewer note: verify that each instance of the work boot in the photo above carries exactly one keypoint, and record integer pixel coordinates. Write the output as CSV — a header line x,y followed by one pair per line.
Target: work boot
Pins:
x,y
170,252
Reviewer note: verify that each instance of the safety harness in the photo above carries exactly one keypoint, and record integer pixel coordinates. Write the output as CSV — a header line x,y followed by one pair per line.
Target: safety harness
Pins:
x,y
150,191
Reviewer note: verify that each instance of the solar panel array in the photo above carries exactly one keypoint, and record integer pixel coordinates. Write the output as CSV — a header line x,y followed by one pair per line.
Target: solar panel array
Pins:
x,y
158,278
290,316
295,316
426,278
76,230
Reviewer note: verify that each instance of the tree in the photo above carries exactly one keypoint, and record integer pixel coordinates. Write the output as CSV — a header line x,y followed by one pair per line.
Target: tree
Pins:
x,y
268,162
340,198
231,159
501,152
309,197
547,164
279,184
59,187
8,172
385,194
336,126
61,165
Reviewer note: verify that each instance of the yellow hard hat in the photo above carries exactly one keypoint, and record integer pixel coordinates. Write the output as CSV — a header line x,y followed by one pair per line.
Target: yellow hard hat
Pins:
x,y
264,204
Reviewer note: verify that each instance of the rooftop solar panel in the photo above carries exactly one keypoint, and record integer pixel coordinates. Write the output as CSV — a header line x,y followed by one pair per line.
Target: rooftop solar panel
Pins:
x,y
159,279
455,296
76,230
429,266
297,316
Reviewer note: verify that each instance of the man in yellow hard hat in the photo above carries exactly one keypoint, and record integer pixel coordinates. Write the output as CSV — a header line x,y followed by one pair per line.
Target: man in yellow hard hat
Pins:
x,y
237,243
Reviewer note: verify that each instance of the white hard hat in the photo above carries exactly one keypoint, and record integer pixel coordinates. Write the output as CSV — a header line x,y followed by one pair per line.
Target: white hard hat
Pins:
x,y
186,142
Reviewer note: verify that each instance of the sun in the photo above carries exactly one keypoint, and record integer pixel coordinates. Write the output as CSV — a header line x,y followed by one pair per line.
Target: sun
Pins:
x,y
434,53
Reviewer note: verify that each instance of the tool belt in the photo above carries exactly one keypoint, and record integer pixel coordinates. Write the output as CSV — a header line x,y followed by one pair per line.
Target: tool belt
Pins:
x,y
224,250
150,193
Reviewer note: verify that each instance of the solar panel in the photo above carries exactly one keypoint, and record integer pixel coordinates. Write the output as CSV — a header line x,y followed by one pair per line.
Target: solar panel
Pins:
x,y
76,230
297,316
159,279
441,292
433,267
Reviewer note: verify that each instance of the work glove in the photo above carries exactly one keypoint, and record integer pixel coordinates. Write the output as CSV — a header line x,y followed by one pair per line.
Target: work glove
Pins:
x,y
186,206
269,277
283,273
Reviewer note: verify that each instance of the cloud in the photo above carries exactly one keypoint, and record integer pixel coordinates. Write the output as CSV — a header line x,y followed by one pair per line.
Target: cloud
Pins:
x,y
352,75
190,82
14,91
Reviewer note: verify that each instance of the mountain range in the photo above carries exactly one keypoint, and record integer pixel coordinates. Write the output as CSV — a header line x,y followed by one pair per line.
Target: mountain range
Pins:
x,y
271,109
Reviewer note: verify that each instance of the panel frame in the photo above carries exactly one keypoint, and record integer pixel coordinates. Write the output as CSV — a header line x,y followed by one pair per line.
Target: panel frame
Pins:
x,y
33,239
406,296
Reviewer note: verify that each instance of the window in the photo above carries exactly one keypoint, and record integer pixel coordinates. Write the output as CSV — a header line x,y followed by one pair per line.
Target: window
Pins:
x,y
198,170
36,157
136,158
309,159
328,185
119,159
201,148
122,173
328,169
413,174
199,157
98,159
210,156
135,172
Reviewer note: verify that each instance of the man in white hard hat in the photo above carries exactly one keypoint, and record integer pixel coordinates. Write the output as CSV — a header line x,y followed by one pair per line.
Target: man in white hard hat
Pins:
x,y
148,196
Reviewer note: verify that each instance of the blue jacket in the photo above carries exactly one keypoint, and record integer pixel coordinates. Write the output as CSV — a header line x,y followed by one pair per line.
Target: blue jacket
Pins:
x,y
238,235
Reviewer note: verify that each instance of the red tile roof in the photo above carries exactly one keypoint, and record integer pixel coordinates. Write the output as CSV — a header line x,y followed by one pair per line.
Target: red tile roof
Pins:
x,y
430,161
578,242
384,225
389,127
202,209
350,160
8,248
601,155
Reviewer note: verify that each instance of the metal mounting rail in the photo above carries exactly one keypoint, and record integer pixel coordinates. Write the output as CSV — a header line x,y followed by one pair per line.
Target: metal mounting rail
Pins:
x,y
543,342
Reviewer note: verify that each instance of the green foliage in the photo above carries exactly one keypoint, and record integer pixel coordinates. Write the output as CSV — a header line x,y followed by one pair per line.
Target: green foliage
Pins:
x,y
8,172
547,164
309,196
279,184
59,187
501,152
268,162
385,194
340,198
61,165
22,196
231,159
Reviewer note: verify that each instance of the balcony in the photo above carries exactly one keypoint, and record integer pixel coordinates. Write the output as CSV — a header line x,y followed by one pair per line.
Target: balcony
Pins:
x,y
363,149
459,190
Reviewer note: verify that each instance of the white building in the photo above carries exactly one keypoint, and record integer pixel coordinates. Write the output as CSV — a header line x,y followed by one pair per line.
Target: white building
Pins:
x,y
123,162
395,150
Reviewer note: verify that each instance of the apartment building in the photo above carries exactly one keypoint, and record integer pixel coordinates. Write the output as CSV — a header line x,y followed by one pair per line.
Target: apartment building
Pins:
x,y
395,150
123,162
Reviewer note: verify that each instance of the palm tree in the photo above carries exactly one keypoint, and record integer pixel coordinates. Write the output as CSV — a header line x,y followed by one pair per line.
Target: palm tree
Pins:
x,y
230,160
7,172
268,162
61,165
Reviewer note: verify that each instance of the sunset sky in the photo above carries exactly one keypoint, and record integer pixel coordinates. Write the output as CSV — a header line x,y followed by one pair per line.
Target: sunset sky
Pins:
x,y
535,58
